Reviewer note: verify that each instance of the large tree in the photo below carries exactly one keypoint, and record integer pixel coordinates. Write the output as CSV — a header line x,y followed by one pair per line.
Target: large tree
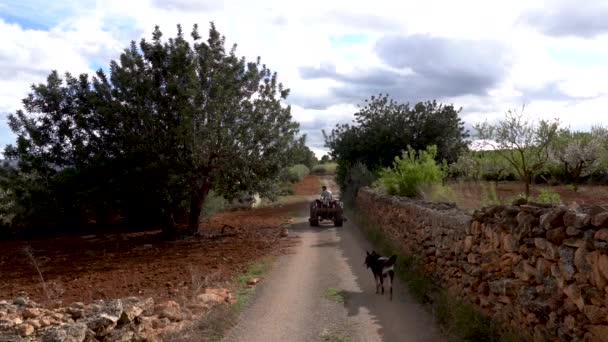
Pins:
x,y
579,153
174,120
521,142
383,128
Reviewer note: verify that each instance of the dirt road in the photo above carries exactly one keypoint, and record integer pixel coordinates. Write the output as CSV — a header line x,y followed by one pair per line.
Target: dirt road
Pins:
x,y
322,292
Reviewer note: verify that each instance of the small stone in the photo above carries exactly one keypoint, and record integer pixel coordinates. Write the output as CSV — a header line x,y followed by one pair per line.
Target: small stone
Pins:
x,y
473,258
603,265
22,301
44,322
253,281
576,219
601,234
509,244
580,260
210,299
78,305
134,307
120,335
574,293
102,324
599,332
170,310
597,278
25,330
71,332
31,313
571,231
556,235
600,220
566,262
468,244
34,322
548,249
595,314
570,322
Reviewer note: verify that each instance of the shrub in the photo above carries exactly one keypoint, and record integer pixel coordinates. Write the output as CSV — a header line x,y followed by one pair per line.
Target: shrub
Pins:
x,y
548,197
213,204
324,169
294,173
411,171
437,193
356,177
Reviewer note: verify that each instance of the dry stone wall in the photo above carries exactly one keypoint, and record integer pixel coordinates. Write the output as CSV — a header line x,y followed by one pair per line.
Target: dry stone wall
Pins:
x,y
541,269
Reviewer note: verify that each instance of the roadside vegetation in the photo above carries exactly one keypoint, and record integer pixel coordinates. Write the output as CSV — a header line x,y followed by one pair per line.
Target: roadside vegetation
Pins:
x,y
456,317
179,122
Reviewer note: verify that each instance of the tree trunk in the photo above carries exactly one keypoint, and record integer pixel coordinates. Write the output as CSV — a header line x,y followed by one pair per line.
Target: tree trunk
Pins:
x,y
528,180
197,199
169,228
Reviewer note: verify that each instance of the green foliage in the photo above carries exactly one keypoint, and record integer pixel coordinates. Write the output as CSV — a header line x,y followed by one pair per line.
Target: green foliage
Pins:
x,y
173,121
325,159
383,128
482,165
437,193
522,143
295,173
411,171
548,197
325,169
301,154
578,154
213,204
356,177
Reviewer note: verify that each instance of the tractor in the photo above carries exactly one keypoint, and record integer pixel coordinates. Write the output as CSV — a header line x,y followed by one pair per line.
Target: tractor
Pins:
x,y
329,210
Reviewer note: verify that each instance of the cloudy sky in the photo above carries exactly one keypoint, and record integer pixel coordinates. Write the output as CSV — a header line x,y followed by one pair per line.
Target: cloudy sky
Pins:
x,y
485,56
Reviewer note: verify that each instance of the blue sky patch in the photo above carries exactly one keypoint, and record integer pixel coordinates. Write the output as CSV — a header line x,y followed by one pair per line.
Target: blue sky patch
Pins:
x,y
347,39
40,14
577,57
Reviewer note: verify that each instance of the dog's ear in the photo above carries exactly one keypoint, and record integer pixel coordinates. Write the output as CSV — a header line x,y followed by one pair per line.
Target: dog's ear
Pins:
x,y
367,253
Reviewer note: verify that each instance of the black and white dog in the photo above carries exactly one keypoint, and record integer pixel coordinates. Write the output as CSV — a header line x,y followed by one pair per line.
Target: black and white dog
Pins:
x,y
381,267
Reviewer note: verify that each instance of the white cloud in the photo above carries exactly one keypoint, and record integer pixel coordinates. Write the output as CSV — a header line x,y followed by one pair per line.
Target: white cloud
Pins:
x,y
554,74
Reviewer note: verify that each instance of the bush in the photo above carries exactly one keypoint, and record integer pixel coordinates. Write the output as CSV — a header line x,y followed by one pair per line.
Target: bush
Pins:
x,y
548,197
294,173
324,169
411,171
356,177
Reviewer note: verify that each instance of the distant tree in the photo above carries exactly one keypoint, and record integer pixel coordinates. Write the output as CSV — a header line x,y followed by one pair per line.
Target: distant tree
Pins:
x,y
173,121
325,159
579,153
383,128
523,143
301,154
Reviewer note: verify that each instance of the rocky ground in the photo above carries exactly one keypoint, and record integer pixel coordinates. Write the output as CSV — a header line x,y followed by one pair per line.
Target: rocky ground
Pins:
x,y
165,285
129,319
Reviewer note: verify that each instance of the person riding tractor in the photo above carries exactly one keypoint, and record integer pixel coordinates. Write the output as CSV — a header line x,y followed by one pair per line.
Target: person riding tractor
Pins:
x,y
326,208
326,197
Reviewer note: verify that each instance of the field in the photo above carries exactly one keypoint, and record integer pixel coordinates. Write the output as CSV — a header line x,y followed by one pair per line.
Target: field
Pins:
x,y
472,195
103,266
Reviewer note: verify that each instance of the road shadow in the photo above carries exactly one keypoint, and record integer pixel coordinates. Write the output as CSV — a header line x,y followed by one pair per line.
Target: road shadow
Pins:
x,y
399,319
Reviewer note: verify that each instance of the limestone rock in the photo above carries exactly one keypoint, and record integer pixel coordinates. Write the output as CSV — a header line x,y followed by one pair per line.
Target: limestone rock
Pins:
x,y
71,332
25,330
600,220
170,310
556,235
